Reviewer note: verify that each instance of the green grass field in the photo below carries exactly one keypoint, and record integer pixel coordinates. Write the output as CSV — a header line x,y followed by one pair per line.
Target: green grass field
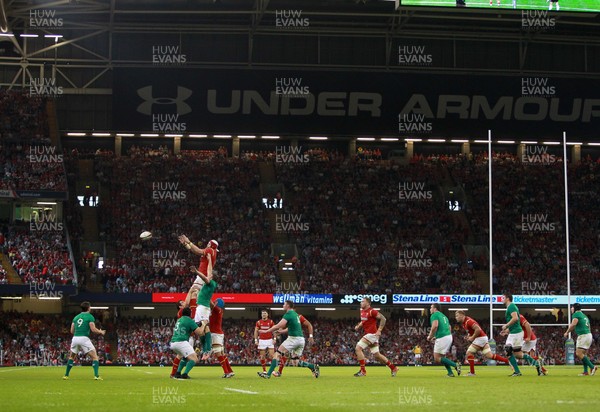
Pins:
x,y
565,5
426,388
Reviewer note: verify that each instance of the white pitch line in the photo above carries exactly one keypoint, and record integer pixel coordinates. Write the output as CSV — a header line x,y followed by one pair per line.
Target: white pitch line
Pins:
x,y
18,369
241,391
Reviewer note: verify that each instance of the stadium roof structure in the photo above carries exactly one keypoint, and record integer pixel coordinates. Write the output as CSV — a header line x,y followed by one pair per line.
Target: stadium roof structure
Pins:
x,y
98,35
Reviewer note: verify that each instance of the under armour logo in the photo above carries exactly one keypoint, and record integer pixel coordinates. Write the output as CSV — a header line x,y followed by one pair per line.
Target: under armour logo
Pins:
x,y
149,100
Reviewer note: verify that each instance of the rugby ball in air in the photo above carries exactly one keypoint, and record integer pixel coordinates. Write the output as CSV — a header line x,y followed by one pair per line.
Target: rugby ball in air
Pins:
x,y
145,235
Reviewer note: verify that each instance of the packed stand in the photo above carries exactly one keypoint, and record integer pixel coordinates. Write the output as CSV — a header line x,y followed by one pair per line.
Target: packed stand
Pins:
x,y
363,236
178,194
40,257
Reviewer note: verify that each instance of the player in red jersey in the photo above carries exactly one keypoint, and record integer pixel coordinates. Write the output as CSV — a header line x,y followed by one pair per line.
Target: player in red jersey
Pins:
x,y
212,249
190,301
311,340
264,341
530,342
478,339
368,321
218,336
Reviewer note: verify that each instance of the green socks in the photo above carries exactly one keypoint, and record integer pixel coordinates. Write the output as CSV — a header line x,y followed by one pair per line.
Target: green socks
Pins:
x,y
447,362
513,361
207,346
303,364
274,363
587,363
96,366
69,366
188,366
530,360
181,365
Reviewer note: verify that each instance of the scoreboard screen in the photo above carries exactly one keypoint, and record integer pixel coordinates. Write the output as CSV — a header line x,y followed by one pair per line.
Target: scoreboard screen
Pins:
x,y
589,6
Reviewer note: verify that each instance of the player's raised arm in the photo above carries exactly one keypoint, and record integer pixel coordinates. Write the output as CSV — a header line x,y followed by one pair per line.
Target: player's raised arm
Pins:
x,y
189,245
574,323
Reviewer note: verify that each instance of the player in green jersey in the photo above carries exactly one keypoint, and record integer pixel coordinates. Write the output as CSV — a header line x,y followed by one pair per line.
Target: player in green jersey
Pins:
x,y
180,344
514,340
293,345
440,333
581,325
205,292
82,325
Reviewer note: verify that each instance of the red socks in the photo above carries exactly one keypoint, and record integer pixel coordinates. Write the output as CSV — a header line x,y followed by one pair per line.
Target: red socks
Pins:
x,y
175,366
282,362
225,364
499,358
263,362
362,366
390,365
471,360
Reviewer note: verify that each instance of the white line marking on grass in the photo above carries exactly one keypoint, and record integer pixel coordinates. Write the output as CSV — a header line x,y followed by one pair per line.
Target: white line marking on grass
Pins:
x,y
18,369
241,391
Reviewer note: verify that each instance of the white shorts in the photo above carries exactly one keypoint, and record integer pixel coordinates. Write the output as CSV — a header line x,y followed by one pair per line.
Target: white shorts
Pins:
x,y
202,314
373,339
442,345
182,348
527,346
515,340
83,344
417,356
265,344
217,338
480,341
584,341
294,344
